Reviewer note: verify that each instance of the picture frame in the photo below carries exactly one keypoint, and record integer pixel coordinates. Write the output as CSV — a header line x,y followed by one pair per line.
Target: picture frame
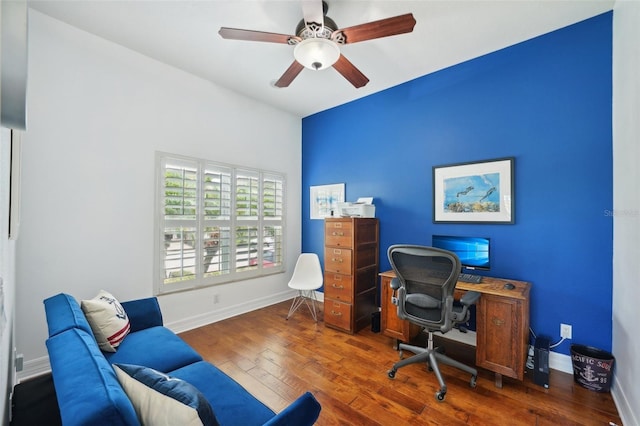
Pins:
x,y
324,200
474,192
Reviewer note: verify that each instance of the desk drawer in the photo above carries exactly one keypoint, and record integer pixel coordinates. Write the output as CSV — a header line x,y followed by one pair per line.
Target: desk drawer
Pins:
x,y
338,234
338,287
337,314
337,260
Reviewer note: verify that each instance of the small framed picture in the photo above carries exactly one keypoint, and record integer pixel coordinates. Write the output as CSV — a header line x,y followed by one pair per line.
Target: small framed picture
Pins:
x,y
324,199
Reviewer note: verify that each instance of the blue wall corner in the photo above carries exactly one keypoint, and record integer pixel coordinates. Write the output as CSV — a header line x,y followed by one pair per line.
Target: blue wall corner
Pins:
x,y
546,102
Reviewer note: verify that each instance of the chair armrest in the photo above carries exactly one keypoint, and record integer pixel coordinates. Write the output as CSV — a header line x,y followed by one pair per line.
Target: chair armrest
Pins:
x,y
143,313
304,411
470,298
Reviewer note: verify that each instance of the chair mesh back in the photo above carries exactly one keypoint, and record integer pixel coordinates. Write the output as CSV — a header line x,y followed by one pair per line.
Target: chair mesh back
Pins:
x,y
425,271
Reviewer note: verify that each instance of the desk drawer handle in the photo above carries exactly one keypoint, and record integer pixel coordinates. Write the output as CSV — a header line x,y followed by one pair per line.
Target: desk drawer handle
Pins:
x,y
339,234
339,287
336,259
337,314
497,321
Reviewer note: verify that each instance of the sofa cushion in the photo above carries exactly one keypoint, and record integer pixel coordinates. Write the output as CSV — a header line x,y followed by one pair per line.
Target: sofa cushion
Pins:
x,y
87,388
143,313
156,347
107,319
162,400
63,312
231,402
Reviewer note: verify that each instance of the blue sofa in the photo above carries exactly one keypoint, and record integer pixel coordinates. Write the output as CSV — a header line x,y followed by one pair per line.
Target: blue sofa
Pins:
x,y
88,390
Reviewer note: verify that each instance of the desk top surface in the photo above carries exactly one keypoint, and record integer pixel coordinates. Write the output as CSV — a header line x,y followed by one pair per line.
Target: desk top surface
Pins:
x,y
488,285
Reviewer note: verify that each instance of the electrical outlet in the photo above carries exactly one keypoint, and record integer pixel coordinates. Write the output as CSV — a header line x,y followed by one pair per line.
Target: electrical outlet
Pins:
x,y
565,331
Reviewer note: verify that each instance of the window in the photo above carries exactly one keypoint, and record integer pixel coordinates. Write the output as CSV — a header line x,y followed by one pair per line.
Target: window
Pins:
x,y
216,223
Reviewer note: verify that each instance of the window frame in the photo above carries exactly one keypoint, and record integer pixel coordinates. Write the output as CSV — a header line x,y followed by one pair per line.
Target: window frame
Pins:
x,y
268,258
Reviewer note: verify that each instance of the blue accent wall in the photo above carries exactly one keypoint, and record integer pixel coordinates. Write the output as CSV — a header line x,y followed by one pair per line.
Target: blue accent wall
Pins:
x,y
547,103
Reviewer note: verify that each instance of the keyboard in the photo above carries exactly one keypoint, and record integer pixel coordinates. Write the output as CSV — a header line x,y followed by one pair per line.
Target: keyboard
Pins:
x,y
470,278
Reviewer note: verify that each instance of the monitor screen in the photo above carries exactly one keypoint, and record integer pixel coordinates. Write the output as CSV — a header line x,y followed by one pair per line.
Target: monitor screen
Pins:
x,y
473,252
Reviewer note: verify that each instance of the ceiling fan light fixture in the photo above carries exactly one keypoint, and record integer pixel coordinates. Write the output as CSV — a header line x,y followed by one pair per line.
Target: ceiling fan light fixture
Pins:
x,y
316,53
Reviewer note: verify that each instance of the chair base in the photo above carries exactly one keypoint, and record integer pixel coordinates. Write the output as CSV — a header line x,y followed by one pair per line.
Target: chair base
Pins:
x,y
432,356
303,297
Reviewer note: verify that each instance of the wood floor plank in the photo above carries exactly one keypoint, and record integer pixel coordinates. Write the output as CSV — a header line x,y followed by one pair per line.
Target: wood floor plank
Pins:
x,y
277,360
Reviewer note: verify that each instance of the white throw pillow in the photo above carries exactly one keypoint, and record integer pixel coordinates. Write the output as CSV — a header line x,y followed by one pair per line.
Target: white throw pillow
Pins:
x,y
108,320
161,400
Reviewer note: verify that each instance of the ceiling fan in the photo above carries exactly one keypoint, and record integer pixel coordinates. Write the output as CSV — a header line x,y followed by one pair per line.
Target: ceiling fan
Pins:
x,y
317,41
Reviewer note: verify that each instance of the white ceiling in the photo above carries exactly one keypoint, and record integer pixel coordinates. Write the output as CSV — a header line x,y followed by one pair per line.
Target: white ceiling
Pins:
x,y
184,34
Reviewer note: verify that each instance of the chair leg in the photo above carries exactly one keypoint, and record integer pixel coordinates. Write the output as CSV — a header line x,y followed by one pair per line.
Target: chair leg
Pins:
x,y
303,297
457,364
432,356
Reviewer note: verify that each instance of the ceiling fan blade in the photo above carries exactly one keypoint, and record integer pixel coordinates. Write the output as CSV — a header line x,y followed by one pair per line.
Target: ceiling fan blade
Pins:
x,y
250,35
350,72
383,28
288,76
312,12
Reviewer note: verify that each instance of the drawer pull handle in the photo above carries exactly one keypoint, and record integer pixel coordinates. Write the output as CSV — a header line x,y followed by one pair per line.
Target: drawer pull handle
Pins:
x,y
340,234
497,321
340,287
338,314
336,259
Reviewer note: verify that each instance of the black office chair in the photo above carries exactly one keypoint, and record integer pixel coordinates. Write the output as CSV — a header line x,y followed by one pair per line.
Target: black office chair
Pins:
x,y
425,281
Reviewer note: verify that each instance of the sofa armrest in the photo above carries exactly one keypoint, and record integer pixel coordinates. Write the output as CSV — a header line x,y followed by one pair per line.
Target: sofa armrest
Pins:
x,y
143,313
304,411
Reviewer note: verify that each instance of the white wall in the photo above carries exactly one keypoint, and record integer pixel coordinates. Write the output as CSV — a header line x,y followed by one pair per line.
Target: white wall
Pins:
x,y
7,273
626,202
97,113
16,34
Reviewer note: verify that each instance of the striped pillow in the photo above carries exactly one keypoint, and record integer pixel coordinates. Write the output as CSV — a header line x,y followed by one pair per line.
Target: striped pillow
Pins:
x,y
108,320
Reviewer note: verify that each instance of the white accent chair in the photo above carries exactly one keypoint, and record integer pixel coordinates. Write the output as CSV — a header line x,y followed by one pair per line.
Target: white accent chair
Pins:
x,y
307,278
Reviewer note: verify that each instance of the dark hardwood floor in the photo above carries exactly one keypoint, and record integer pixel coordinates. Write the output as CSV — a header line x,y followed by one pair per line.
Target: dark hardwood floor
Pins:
x,y
278,359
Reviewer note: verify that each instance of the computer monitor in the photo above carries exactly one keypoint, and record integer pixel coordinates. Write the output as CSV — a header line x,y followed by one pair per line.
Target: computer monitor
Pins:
x,y
473,252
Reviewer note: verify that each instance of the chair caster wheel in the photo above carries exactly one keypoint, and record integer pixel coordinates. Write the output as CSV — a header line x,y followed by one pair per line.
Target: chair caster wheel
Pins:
x,y
440,396
473,381
391,374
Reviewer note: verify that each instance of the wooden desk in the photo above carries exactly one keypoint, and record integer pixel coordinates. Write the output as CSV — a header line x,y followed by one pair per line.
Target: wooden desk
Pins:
x,y
502,322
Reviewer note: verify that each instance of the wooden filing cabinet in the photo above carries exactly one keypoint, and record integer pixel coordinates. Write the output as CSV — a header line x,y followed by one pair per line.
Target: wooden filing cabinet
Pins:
x,y
350,272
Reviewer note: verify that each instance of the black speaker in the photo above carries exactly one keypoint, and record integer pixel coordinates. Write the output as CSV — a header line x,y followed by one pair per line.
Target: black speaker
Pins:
x,y
541,362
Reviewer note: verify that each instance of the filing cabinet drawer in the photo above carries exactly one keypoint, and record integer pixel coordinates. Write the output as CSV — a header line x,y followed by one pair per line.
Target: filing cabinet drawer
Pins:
x,y
338,287
337,314
338,234
337,260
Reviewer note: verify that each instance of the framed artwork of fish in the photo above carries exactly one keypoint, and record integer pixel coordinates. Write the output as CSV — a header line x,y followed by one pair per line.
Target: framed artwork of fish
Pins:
x,y
474,192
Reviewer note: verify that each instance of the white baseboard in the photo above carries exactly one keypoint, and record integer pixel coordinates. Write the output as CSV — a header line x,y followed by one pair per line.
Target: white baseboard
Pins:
x,y
623,404
228,312
560,362
34,368
557,361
